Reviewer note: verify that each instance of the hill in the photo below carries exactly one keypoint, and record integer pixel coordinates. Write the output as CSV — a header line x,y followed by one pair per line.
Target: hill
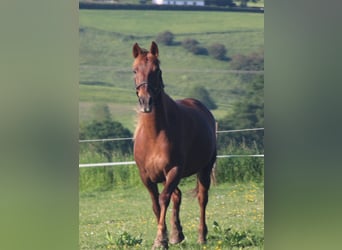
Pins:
x,y
106,39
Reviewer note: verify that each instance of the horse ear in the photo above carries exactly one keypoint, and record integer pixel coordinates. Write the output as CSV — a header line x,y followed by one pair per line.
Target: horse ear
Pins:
x,y
154,48
136,50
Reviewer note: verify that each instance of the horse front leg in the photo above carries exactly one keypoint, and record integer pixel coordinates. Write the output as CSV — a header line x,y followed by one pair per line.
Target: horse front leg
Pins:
x,y
172,180
176,228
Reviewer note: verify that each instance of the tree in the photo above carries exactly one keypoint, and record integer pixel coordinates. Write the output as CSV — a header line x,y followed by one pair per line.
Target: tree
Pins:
x,y
108,129
201,94
104,128
248,112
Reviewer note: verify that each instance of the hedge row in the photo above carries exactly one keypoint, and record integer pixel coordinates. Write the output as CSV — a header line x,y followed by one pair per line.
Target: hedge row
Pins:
x,y
108,6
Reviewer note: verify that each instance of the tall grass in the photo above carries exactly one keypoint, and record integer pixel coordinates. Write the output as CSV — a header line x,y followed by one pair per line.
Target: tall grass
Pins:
x,y
231,170
106,178
240,169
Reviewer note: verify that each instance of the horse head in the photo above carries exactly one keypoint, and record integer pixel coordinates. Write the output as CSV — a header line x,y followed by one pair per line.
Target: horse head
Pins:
x,y
147,76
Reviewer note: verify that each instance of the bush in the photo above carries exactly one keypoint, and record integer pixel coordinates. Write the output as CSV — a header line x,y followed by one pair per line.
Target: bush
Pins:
x,y
253,61
200,51
124,240
189,44
218,51
165,38
104,130
236,238
192,46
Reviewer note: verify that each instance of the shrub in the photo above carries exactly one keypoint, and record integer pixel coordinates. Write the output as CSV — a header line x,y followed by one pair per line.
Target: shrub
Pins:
x,y
253,61
200,51
218,51
123,241
165,38
192,46
236,239
189,44
104,130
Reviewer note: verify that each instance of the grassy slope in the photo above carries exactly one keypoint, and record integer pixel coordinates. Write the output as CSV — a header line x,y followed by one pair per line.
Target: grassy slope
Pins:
x,y
239,206
106,39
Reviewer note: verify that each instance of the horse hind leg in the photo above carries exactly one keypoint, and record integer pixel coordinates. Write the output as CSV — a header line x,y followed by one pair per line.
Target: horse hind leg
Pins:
x,y
203,184
176,235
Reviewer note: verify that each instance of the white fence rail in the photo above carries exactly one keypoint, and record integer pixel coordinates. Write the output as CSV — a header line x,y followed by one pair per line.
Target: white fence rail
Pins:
x,y
106,164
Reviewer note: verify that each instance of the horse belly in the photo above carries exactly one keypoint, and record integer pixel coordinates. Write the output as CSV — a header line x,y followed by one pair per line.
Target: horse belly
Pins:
x,y
199,157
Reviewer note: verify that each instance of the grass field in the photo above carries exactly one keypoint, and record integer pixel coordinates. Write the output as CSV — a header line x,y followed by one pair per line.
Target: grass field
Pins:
x,y
106,217
106,39
109,219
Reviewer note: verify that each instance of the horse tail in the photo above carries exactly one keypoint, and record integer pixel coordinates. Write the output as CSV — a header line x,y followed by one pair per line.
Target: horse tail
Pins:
x,y
212,179
213,174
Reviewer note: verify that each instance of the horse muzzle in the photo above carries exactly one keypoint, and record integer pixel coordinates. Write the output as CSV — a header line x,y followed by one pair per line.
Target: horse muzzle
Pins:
x,y
145,104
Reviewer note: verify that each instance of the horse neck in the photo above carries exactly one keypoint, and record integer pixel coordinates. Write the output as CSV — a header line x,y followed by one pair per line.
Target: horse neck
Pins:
x,y
158,119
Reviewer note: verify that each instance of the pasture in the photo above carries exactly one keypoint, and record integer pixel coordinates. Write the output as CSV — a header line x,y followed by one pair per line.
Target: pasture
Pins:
x,y
120,218
106,39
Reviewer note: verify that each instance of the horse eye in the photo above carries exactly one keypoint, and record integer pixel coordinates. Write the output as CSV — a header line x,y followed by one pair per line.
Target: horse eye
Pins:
x,y
134,71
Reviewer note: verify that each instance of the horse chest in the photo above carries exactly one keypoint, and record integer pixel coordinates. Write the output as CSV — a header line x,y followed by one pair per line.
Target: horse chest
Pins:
x,y
152,158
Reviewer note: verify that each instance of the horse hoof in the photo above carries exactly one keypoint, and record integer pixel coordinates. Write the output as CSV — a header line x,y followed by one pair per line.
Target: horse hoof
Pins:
x,y
160,245
177,238
154,247
201,241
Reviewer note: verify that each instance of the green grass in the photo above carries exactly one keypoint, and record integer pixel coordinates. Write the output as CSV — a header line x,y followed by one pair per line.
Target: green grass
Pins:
x,y
128,210
106,39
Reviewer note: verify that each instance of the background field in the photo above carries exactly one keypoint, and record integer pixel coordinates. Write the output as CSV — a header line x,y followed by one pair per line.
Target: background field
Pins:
x,y
106,39
107,213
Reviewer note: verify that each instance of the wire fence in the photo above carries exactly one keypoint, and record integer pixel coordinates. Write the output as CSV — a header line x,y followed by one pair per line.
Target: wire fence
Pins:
x,y
131,138
107,164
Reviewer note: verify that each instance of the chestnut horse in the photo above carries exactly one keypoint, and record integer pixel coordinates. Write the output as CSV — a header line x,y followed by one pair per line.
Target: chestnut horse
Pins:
x,y
173,139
